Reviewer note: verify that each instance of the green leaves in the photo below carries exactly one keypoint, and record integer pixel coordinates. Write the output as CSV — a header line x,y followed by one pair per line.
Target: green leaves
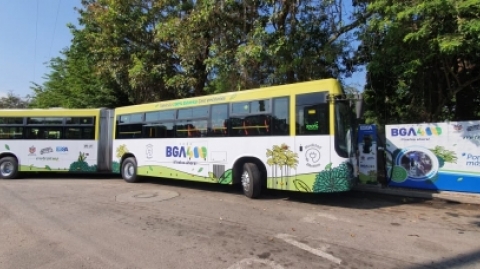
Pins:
x,y
420,60
226,178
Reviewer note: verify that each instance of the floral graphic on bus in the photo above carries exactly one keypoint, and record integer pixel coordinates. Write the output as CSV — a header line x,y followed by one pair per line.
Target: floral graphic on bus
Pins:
x,y
334,179
120,151
285,159
81,165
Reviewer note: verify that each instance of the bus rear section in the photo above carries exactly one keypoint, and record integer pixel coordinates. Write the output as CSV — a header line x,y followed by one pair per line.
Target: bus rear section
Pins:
x,y
55,140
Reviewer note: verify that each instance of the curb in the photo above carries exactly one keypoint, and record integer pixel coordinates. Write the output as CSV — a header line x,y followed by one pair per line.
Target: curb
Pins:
x,y
459,197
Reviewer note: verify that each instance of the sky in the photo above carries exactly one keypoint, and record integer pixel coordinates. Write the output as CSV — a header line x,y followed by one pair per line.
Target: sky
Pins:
x,y
34,31
31,33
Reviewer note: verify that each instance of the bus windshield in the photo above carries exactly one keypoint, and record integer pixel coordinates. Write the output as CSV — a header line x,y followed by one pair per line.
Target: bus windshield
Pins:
x,y
343,129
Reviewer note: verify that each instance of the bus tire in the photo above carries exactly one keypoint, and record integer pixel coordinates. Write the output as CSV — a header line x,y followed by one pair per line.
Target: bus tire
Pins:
x,y
129,170
251,180
8,168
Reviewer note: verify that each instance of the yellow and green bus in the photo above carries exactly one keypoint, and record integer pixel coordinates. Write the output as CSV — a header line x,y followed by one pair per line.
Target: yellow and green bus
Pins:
x,y
295,137
55,140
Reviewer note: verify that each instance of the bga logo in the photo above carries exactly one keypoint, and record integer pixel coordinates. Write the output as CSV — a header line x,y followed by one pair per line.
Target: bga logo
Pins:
x,y
184,152
32,150
428,131
366,127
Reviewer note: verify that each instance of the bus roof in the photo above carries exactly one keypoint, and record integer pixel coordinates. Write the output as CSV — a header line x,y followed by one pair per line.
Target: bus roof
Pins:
x,y
55,112
329,85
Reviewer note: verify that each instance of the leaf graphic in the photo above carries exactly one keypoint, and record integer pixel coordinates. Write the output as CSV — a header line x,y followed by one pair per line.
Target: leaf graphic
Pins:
x,y
328,167
270,162
48,167
200,170
211,175
150,168
7,147
226,178
460,179
301,186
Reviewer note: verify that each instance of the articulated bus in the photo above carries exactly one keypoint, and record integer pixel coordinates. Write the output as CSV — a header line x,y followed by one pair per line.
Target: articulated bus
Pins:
x,y
55,140
295,137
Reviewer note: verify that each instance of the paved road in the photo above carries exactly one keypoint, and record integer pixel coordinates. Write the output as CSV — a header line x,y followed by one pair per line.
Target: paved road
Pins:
x,y
106,223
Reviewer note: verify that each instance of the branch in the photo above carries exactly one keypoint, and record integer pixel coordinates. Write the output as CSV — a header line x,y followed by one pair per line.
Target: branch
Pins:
x,y
466,84
349,27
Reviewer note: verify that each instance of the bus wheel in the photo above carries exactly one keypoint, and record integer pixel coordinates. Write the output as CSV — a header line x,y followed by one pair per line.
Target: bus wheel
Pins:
x,y
129,170
8,168
251,180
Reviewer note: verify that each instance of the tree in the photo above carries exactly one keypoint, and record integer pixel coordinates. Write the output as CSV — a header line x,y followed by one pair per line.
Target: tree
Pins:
x,y
75,82
422,61
14,101
137,51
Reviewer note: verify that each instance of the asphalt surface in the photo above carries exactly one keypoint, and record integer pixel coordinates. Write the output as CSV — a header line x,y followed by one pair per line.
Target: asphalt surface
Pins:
x,y
52,222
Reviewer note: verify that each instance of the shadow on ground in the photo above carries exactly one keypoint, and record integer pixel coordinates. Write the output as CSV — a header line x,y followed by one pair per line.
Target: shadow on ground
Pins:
x,y
466,260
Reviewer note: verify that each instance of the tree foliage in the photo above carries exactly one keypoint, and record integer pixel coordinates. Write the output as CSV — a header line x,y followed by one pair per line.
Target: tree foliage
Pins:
x,y
14,101
422,60
136,51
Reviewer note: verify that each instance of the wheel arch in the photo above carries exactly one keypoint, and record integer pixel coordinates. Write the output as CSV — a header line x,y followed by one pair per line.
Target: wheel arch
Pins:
x,y
10,154
125,156
238,168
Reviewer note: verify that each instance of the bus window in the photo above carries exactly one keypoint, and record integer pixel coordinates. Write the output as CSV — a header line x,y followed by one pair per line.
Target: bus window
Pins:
x,y
129,131
130,118
280,119
11,132
79,133
258,125
343,129
158,130
46,121
259,106
80,120
252,107
88,133
194,128
44,133
194,112
312,117
53,121
241,108
160,115
219,121
11,120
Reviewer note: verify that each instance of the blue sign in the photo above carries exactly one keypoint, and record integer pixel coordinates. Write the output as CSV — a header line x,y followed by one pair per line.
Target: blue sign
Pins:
x,y
367,146
62,149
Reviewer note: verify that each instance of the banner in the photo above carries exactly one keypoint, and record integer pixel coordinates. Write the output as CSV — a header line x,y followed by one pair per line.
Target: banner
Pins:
x,y
367,147
436,156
